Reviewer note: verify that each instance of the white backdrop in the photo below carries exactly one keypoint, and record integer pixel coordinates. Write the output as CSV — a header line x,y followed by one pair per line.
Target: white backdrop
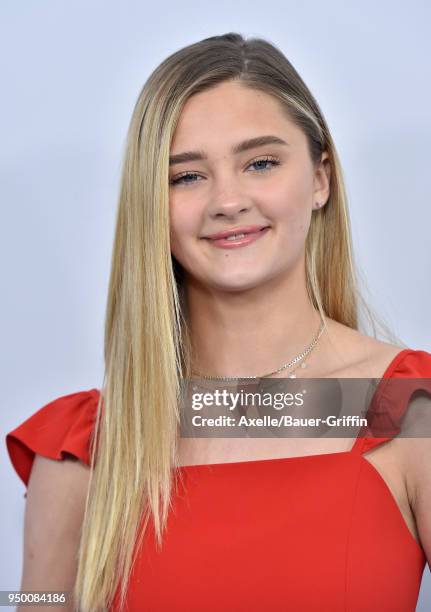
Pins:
x,y
71,73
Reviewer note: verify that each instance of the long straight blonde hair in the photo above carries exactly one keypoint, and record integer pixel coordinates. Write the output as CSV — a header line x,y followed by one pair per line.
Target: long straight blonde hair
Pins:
x,y
147,345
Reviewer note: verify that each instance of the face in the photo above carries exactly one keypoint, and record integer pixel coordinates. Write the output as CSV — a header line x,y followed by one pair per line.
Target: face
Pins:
x,y
262,192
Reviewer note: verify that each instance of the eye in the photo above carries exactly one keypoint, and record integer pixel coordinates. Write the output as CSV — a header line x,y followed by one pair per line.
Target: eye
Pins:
x,y
262,164
185,179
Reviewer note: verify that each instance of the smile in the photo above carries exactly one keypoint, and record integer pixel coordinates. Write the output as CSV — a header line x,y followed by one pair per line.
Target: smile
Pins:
x,y
237,240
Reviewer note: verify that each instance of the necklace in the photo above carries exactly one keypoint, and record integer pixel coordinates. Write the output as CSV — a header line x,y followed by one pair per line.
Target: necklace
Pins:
x,y
298,359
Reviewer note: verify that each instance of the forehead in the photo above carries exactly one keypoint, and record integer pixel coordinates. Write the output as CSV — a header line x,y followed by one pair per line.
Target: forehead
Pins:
x,y
228,112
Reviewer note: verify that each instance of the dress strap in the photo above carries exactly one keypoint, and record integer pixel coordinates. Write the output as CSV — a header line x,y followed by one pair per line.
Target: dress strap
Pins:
x,y
383,415
362,444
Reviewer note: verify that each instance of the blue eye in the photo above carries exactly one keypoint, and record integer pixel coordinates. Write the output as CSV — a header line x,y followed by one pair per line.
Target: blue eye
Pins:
x,y
265,161
260,165
181,179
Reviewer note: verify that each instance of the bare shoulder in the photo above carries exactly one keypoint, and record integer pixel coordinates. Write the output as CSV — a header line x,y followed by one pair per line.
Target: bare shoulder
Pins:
x,y
352,353
56,497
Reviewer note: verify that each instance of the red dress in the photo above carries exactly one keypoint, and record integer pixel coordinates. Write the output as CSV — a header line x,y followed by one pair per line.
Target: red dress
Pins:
x,y
320,532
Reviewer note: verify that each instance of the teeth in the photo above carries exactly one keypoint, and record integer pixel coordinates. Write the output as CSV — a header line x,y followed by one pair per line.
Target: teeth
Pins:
x,y
235,236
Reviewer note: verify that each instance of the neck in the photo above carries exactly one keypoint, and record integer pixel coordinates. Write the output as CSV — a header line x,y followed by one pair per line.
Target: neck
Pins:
x,y
250,333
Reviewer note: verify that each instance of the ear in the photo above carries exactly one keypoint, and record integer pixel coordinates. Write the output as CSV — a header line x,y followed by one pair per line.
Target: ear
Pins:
x,y
322,180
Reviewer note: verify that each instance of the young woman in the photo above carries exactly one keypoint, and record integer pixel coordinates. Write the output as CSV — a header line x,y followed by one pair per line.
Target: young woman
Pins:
x,y
232,258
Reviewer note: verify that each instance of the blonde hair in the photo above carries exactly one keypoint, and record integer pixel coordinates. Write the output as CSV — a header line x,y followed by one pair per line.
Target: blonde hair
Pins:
x,y
147,346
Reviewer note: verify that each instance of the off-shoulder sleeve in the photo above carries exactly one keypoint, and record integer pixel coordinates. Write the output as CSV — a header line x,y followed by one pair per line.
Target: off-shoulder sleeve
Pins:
x,y
63,426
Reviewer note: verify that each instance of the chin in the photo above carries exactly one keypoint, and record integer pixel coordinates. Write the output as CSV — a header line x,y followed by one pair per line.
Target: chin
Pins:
x,y
236,283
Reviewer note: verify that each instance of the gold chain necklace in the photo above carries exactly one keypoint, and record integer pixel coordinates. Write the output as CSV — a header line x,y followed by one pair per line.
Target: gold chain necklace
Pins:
x,y
294,361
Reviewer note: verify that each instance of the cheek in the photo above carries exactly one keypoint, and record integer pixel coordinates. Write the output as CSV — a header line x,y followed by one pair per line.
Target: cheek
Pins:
x,y
183,223
289,203
289,206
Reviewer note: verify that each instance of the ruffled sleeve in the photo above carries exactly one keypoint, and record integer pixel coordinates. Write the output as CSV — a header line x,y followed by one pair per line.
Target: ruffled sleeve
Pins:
x,y
409,373
411,364
63,426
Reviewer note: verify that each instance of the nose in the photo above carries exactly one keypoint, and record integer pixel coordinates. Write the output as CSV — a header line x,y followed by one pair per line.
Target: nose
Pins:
x,y
228,200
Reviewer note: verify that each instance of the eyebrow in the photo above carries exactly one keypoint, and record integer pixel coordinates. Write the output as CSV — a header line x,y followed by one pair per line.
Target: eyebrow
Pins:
x,y
245,145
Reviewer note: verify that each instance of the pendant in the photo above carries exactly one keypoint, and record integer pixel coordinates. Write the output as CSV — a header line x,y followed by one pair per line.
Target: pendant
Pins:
x,y
303,365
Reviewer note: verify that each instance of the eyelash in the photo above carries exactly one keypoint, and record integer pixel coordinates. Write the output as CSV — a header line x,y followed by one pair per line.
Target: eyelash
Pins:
x,y
268,159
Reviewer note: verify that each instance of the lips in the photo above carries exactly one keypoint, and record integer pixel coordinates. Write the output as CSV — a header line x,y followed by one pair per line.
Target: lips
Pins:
x,y
248,229
237,238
